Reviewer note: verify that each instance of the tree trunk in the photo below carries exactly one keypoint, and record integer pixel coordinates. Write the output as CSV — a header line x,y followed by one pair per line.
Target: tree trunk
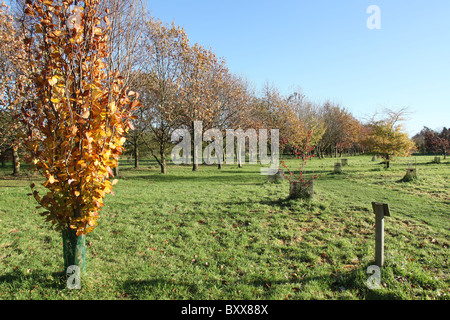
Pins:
x,y
318,152
163,163
136,157
220,159
16,162
194,165
116,170
239,159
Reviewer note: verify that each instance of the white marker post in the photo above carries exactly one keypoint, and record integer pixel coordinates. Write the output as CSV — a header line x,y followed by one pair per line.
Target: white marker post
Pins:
x,y
381,210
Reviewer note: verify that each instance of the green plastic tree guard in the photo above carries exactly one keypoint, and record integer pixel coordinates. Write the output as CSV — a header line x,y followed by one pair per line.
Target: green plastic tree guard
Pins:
x,y
74,249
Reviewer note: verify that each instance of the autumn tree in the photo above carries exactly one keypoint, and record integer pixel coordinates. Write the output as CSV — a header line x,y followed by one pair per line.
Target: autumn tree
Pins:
x,y
180,84
229,99
12,76
200,102
78,117
386,136
159,84
310,116
341,129
197,98
276,112
444,141
435,142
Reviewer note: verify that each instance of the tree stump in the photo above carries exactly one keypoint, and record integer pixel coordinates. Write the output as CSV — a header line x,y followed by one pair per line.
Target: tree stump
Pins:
x,y
277,177
338,167
411,174
437,160
300,190
344,162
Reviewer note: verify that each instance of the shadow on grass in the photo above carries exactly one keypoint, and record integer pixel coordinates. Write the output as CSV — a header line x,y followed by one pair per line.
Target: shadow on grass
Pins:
x,y
20,177
43,280
219,178
349,281
282,203
163,288
207,177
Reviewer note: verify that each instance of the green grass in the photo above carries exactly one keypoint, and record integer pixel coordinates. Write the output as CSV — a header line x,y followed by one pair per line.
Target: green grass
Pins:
x,y
229,234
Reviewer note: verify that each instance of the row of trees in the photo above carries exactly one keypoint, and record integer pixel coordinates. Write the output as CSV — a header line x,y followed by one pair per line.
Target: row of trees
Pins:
x,y
178,83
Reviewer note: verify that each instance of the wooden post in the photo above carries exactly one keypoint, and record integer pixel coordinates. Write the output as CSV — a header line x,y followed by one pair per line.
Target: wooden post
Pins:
x,y
381,210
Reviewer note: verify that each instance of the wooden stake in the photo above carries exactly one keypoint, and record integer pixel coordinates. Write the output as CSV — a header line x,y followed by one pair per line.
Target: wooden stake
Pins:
x,y
381,210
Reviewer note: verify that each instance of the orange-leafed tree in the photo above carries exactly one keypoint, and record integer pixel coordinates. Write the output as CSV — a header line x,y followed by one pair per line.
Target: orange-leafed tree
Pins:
x,y
12,73
279,112
78,117
386,136
341,129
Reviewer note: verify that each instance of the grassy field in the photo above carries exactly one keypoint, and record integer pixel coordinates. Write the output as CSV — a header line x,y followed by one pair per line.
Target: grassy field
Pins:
x,y
229,234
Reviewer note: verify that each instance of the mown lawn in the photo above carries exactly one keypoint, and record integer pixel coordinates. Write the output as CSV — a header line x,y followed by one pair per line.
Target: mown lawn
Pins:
x,y
228,234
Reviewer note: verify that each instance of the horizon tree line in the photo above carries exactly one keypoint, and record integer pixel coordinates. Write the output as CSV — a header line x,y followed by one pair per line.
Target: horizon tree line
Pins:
x,y
178,82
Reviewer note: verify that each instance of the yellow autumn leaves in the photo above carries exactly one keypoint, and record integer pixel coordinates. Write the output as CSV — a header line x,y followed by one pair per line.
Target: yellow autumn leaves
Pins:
x,y
78,121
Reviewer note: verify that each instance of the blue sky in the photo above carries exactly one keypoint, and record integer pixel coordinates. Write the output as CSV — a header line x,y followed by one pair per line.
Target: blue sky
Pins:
x,y
325,47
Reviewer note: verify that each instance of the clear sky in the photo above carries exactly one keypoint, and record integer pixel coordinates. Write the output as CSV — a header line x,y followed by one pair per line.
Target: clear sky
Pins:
x,y
326,48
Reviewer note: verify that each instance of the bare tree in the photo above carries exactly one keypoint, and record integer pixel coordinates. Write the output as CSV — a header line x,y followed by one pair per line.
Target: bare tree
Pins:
x,y
160,85
127,19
